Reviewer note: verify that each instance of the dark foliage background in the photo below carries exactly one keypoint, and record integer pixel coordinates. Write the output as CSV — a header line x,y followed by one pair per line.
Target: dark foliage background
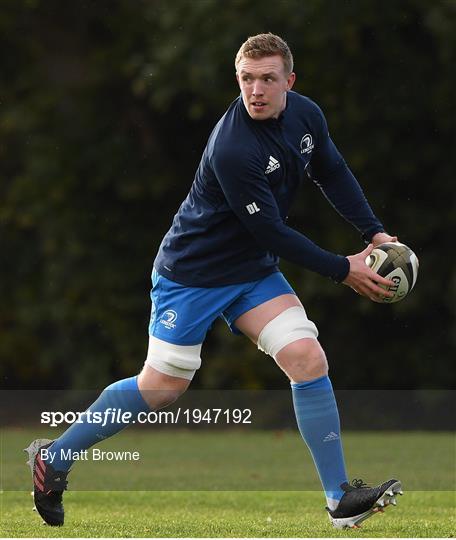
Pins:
x,y
105,109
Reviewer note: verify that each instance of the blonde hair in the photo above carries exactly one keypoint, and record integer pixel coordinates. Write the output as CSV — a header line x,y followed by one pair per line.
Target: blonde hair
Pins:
x,y
263,45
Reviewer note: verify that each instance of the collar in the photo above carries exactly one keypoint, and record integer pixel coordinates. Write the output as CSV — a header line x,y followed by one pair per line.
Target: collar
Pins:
x,y
272,122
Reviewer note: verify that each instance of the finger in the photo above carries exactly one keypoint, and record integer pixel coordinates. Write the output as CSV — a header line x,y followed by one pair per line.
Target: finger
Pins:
x,y
366,292
380,292
377,278
368,250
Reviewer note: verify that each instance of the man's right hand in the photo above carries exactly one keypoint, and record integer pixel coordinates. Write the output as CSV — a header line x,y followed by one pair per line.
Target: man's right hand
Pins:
x,y
365,281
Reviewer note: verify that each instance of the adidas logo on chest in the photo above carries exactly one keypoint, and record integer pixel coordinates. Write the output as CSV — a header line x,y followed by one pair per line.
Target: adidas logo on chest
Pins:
x,y
272,165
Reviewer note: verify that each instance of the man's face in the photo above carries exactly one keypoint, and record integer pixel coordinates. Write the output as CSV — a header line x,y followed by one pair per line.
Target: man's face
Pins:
x,y
264,85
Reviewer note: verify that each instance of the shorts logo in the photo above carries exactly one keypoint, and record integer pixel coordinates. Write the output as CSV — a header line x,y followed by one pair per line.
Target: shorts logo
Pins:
x,y
307,144
168,319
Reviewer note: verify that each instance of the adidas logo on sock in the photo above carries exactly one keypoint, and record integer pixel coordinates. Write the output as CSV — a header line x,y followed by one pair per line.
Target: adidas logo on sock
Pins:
x,y
331,437
272,166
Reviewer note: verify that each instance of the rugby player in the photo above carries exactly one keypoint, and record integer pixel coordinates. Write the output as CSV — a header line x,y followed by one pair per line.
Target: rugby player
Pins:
x,y
220,258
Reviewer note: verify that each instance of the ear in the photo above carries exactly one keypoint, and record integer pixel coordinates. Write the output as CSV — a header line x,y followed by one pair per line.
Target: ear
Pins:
x,y
291,80
237,78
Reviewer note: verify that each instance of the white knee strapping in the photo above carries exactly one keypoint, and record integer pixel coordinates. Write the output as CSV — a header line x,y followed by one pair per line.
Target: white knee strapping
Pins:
x,y
174,360
291,325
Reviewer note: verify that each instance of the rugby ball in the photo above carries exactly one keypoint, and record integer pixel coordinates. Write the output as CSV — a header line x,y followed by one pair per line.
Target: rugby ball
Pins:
x,y
397,262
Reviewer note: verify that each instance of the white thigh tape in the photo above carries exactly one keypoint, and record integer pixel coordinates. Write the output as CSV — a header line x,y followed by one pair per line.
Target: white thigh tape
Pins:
x,y
174,360
291,325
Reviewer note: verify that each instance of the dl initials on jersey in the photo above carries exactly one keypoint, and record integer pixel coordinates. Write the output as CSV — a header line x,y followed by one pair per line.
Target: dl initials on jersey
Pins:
x,y
252,208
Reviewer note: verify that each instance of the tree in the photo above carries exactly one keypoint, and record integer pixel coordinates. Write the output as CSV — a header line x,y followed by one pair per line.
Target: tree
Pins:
x,y
106,108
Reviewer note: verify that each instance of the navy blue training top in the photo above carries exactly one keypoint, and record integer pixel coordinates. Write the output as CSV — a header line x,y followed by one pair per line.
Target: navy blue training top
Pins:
x,y
232,228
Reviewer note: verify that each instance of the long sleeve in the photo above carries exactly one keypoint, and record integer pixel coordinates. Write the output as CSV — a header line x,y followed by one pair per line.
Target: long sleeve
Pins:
x,y
330,172
249,196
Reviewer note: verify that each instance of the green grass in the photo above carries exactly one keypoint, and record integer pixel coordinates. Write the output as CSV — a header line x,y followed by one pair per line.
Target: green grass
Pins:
x,y
241,484
222,514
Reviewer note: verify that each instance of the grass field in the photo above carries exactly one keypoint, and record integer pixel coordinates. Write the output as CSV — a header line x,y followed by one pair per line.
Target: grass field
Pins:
x,y
222,514
223,484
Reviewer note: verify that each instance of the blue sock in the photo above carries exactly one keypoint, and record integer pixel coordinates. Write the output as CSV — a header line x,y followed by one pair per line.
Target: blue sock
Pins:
x,y
122,395
318,421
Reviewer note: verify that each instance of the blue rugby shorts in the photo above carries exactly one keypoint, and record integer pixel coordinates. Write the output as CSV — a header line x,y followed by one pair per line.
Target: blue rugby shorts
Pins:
x,y
182,315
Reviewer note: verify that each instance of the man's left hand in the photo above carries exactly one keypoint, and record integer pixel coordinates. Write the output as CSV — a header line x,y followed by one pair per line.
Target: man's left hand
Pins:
x,y
381,238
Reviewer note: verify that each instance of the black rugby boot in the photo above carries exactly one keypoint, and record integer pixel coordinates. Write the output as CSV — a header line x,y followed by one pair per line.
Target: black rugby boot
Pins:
x,y
48,484
360,502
